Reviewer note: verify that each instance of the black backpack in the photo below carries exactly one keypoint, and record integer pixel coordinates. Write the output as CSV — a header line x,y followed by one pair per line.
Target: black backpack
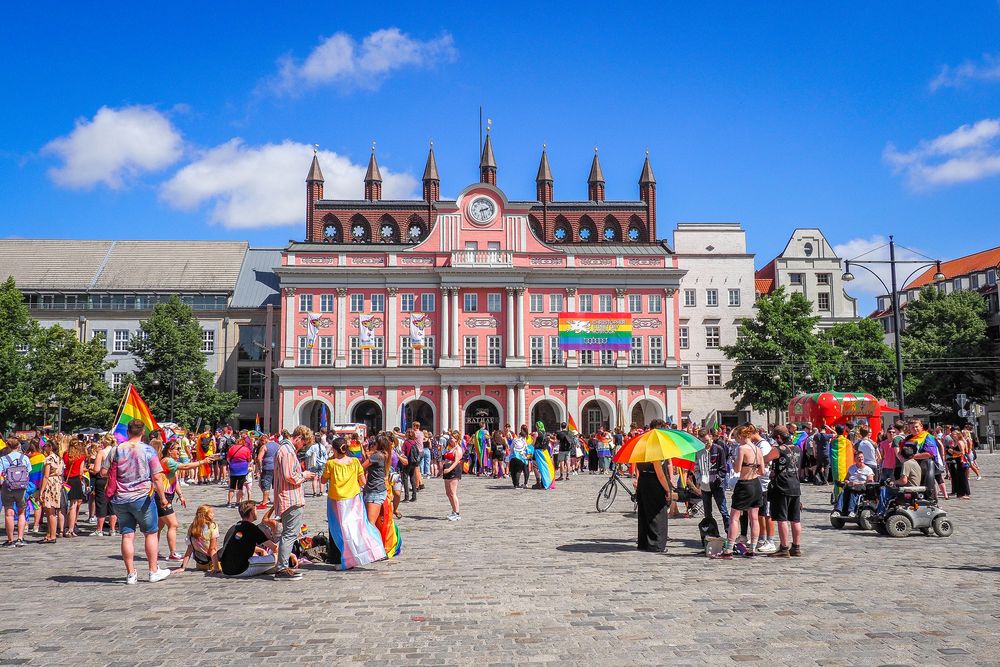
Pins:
x,y
708,527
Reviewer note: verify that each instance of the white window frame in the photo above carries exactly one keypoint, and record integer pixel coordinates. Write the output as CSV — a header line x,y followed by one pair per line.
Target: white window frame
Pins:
x,y
823,279
376,355
427,302
100,333
405,351
470,302
656,350
655,303
427,352
635,303
377,303
712,298
470,350
305,352
690,298
536,303
734,297
326,350
713,375
555,353
635,354
494,350
494,302
357,303
536,346
122,339
607,357
586,357
556,303
326,302
684,336
685,375
305,303
819,301
605,303
117,381
586,303
796,278
407,302
713,336
356,356
208,341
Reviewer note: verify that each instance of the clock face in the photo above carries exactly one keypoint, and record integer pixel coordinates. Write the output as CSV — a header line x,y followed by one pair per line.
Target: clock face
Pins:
x,y
482,210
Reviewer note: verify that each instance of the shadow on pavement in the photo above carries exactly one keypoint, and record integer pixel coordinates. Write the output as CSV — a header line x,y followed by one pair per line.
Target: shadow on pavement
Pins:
x,y
79,579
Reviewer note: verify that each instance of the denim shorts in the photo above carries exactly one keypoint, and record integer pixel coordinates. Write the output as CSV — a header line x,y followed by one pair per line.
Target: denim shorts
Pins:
x,y
138,513
377,497
266,479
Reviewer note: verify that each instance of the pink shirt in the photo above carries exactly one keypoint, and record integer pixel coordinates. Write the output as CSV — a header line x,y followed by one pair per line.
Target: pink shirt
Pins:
x,y
888,454
288,479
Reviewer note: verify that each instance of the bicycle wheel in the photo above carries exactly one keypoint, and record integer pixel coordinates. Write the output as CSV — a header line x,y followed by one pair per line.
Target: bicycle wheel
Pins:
x,y
606,495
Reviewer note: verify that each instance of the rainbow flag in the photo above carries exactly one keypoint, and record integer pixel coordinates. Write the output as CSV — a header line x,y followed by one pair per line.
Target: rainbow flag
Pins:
x,y
595,331
37,461
546,470
387,527
799,439
133,407
256,425
841,457
354,449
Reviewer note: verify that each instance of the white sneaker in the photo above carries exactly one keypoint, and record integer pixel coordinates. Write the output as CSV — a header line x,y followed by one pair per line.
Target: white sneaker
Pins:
x,y
767,547
183,483
452,516
458,517
159,575
92,520
131,578
97,533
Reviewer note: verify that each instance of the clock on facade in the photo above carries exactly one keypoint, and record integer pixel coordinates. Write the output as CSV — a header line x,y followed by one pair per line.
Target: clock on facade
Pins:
x,y
482,210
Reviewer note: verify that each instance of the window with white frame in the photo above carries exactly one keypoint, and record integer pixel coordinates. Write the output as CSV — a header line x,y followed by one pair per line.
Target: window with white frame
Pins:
x,y
326,350
607,357
690,298
378,351
536,303
795,278
117,381
407,302
586,303
427,302
555,303
326,303
555,354
684,337
494,347
823,300
356,354
635,355
102,334
208,341
22,348
586,357
305,352
712,340
604,303
122,337
357,303
305,303
714,375
685,375
494,302
711,297
470,345
822,278
378,303
655,303
655,350
470,302
427,351
635,303
405,351
734,297
536,346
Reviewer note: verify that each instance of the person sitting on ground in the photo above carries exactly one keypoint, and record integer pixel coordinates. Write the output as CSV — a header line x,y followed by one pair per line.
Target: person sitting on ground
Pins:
x,y
247,551
858,475
203,541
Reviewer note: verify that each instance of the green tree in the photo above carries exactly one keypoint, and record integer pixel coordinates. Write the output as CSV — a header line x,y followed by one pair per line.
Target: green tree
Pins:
x,y
16,327
777,353
169,350
70,373
945,350
860,360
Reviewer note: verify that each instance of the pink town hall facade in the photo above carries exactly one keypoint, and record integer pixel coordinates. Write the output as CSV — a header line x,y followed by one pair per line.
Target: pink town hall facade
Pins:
x,y
448,310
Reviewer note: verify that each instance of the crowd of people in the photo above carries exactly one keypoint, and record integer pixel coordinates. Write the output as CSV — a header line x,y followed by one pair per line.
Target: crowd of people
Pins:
x,y
134,485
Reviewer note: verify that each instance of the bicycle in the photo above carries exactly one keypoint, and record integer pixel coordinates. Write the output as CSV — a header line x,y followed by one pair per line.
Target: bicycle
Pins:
x,y
606,496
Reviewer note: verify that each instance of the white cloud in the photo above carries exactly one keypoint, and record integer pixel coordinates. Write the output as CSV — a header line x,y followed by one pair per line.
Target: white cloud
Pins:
x,y
969,153
340,60
117,144
264,186
865,285
988,69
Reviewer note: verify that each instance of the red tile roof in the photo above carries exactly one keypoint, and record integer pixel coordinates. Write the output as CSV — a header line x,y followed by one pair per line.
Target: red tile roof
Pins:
x,y
980,261
763,285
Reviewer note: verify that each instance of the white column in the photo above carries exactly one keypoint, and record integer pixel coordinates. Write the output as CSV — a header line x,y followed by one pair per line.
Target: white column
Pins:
x,y
572,359
511,333
454,322
573,405
669,351
511,408
443,423
520,322
456,412
391,313
522,416
341,361
287,410
291,343
444,349
392,411
340,405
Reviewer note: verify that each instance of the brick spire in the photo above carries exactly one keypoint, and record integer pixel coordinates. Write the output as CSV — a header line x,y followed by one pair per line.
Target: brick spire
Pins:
x,y
543,181
595,182
432,181
373,179
488,163
314,192
647,193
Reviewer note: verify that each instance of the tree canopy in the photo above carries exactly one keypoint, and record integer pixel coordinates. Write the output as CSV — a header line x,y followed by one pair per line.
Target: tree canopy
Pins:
x,y
16,402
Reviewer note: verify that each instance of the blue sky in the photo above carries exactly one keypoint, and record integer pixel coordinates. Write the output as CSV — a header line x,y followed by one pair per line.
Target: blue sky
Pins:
x,y
194,120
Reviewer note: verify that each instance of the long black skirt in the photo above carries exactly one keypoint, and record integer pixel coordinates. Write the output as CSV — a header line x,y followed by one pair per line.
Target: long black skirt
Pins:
x,y
959,478
653,510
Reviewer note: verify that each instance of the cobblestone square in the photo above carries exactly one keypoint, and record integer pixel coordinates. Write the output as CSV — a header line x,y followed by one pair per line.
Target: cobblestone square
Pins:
x,y
528,577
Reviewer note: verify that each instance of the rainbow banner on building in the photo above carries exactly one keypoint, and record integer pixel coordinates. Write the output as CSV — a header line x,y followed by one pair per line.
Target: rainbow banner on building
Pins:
x,y
133,407
595,331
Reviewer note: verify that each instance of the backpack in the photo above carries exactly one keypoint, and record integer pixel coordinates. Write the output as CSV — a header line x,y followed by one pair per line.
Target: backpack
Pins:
x,y
708,527
16,477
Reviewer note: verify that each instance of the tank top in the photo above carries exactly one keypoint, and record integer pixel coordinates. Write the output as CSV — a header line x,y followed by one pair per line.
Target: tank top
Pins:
x,y
270,450
785,478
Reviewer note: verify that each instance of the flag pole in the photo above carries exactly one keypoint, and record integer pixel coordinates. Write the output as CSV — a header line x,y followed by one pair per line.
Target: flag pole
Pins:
x,y
121,406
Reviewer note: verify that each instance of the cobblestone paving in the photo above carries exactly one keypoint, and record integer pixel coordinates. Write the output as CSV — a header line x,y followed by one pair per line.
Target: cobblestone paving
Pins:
x,y
529,577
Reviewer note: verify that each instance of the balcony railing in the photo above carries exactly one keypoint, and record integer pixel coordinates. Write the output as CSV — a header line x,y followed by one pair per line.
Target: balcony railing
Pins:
x,y
482,258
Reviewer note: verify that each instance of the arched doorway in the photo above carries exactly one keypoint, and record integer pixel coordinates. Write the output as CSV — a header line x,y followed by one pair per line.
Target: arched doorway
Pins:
x,y
645,411
312,414
547,412
420,411
368,413
593,415
481,412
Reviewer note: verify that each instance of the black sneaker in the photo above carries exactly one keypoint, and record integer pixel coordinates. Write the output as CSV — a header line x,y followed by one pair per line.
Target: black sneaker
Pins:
x,y
287,574
19,543
6,544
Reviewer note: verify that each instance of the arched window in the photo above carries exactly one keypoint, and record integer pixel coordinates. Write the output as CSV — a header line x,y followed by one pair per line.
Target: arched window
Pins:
x,y
415,230
562,232
331,229
588,230
636,229
536,227
388,230
612,230
361,231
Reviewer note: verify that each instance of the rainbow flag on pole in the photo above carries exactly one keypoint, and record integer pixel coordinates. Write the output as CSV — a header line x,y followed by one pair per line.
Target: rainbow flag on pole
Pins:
x,y
133,407
595,331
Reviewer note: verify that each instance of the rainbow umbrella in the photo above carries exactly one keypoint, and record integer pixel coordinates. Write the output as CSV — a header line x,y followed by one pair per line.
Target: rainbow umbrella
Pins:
x,y
659,444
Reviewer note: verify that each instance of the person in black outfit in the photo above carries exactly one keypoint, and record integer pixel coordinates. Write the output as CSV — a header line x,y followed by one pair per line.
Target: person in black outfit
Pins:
x,y
243,553
784,492
653,503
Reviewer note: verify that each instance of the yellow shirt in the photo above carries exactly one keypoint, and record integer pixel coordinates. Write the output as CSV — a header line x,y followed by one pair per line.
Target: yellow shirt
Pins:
x,y
343,478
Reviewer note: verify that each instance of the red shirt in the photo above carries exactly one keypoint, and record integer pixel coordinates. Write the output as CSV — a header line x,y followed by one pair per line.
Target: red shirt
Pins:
x,y
73,468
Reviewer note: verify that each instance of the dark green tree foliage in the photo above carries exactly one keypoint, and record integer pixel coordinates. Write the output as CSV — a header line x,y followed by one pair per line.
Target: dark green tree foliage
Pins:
x,y
170,348
774,350
71,374
946,350
859,359
16,327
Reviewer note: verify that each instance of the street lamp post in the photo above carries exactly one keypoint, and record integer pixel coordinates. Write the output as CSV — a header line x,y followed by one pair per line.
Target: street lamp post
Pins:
x,y
894,297
173,390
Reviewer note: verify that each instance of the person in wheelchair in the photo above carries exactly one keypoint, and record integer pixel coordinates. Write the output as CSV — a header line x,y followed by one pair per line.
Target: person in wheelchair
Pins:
x,y
911,476
854,485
